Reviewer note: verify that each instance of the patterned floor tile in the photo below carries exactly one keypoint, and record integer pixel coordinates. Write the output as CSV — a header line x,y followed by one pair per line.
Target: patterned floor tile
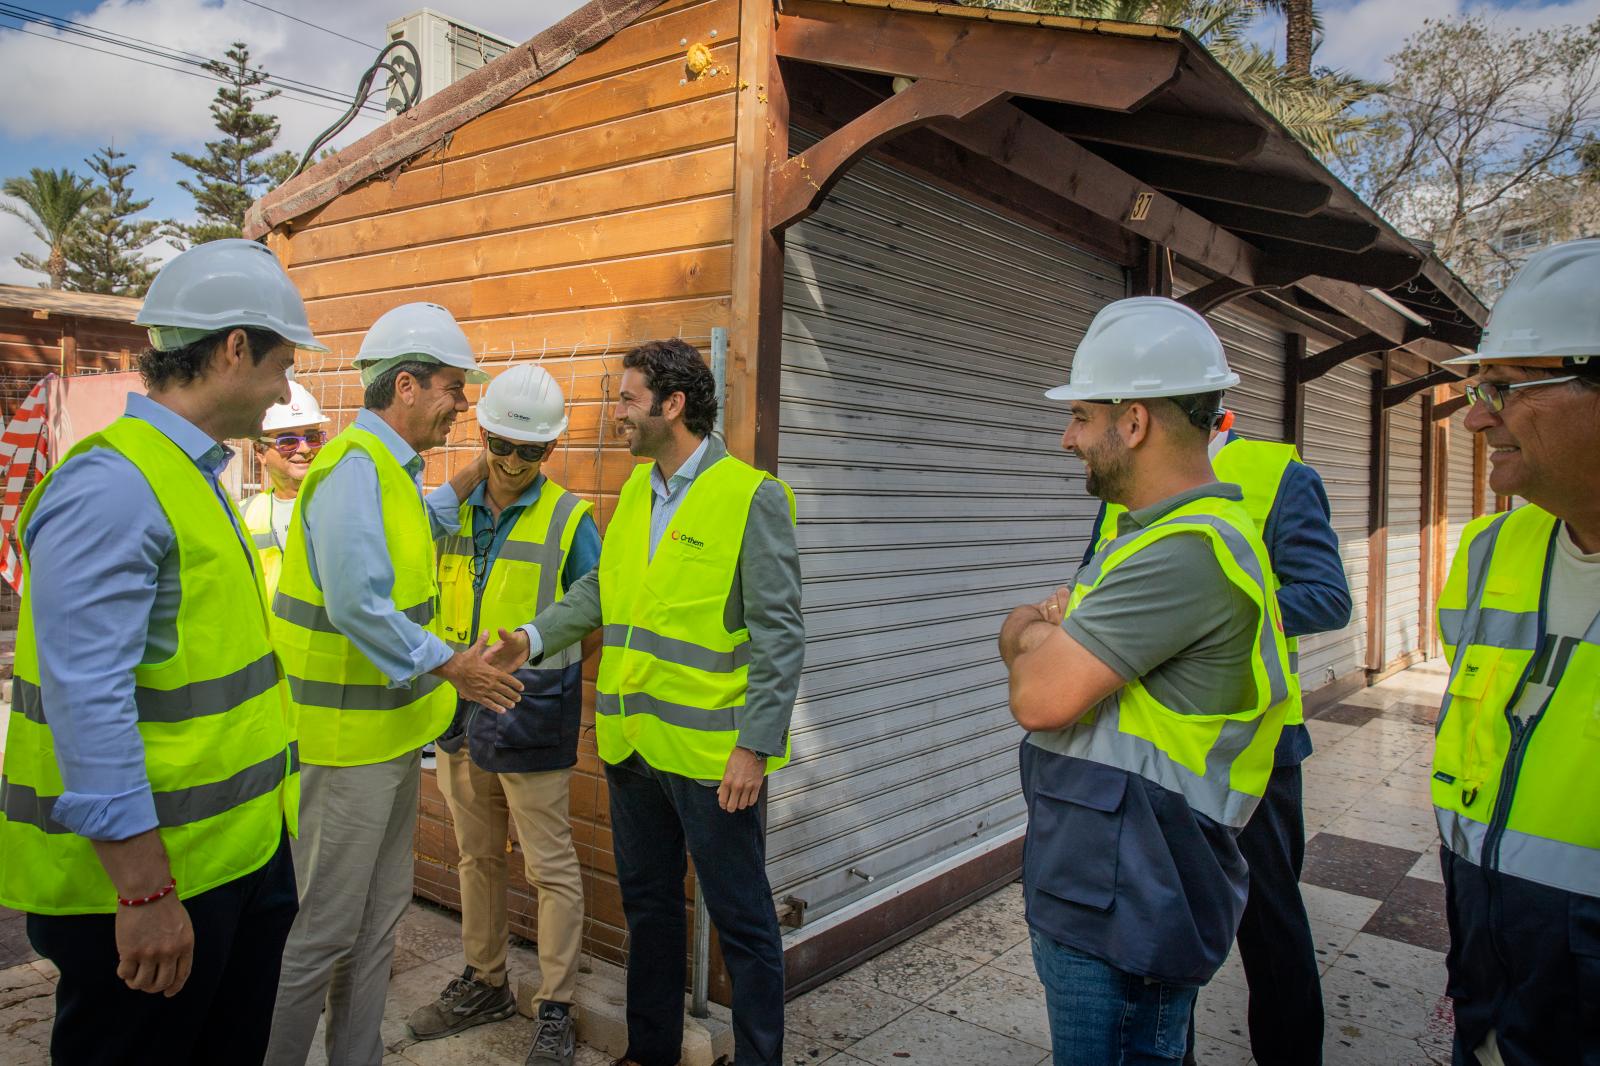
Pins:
x,y
843,1010
915,971
1395,961
1347,713
999,1001
1395,832
924,1037
1338,908
1413,914
1358,867
1375,1001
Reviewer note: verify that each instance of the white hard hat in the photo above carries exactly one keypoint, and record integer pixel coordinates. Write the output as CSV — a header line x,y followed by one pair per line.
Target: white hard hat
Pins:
x,y
1144,347
1550,311
421,331
224,285
524,403
301,410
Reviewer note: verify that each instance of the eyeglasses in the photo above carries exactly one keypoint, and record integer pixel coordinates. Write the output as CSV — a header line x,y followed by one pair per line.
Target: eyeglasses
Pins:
x,y
1493,394
289,443
528,453
482,541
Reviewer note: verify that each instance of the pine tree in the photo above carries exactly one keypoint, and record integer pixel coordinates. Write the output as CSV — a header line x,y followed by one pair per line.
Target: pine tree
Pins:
x,y
106,251
236,168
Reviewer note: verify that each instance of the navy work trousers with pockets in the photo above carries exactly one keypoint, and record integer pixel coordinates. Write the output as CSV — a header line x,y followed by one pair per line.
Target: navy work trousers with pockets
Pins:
x,y
653,815
223,1014
1275,945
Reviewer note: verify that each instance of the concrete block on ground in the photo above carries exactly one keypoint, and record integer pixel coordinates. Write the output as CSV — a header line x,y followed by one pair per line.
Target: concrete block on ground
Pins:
x,y
603,1022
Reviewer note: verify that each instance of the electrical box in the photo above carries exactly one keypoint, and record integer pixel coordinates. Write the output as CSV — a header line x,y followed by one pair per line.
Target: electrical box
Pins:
x,y
450,50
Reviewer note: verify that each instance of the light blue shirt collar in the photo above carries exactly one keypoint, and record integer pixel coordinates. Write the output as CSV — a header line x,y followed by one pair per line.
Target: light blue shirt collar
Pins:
x,y
686,473
479,497
206,453
403,453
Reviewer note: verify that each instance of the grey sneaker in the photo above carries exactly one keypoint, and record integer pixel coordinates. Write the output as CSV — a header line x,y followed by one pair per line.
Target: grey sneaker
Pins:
x,y
555,1041
466,1001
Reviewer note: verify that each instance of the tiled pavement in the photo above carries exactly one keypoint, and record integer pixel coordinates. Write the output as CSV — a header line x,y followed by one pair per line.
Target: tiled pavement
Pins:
x,y
964,992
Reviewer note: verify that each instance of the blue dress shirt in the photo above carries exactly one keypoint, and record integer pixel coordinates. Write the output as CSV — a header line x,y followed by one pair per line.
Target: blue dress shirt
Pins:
x,y
350,564
103,584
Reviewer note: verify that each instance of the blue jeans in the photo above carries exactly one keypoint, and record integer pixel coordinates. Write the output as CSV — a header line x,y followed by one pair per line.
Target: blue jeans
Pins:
x,y
1102,1016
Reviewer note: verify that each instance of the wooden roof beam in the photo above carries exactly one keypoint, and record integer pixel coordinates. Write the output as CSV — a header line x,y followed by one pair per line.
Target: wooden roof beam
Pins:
x,y
1225,184
1322,231
1090,70
1401,391
1213,295
799,186
1185,136
1314,366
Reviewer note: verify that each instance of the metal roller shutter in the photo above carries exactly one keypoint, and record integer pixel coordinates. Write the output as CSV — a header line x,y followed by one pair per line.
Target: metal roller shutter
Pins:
x,y
1339,445
1458,484
933,496
1256,352
1402,622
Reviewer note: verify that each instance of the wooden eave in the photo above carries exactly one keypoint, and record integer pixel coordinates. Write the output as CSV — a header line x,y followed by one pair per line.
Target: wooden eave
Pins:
x,y
1219,180
93,305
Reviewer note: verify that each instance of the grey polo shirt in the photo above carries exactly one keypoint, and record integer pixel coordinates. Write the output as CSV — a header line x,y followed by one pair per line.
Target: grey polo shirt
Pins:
x,y
1170,617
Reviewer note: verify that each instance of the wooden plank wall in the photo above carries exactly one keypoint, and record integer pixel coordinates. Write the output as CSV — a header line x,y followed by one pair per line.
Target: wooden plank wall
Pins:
x,y
31,347
587,213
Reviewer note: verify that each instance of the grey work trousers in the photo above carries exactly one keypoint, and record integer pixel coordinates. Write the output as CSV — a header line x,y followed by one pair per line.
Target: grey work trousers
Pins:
x,y
353,862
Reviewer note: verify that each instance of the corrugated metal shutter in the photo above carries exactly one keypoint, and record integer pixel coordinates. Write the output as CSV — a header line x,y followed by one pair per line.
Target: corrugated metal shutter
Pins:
x,y
1458,484
1339,445
1402,622
1256,352
933,496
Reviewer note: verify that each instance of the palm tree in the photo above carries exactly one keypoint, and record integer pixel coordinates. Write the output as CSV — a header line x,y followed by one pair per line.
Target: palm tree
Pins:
x,y
56,202
1301,26
1315,107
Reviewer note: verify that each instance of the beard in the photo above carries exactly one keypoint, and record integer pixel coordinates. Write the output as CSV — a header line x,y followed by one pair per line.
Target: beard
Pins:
x,y
1109,465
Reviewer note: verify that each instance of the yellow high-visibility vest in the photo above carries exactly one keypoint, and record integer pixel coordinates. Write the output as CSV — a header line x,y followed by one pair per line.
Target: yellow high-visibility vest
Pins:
x,y
257,511
1257,467
213,717
1218,761
348,714
1519,797
672,676
526,577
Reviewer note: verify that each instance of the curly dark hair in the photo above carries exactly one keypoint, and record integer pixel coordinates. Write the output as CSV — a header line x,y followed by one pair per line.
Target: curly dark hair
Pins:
x,y
674,365
182,366
380,394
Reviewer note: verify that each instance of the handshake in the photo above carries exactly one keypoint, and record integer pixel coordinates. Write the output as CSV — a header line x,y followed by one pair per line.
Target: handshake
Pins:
x,y
485,674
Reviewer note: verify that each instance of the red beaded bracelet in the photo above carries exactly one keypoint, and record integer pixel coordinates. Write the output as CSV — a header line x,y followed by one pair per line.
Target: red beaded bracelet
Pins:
x,y
172,885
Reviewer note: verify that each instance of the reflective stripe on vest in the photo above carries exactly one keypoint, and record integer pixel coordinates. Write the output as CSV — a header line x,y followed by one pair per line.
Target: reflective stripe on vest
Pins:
x,y
257,511
525,578
1258,468
349,714
1519,797
1219,762
673,677
213,717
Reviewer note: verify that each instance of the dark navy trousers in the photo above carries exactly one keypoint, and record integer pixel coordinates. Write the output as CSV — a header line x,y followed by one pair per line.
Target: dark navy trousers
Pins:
x,y
654,816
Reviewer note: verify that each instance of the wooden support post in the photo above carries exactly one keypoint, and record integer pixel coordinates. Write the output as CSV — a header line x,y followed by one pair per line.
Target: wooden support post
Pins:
x,y
756,337
69,345
1377,519
1294,391
1152,275
1313,367
1430,543
1480,475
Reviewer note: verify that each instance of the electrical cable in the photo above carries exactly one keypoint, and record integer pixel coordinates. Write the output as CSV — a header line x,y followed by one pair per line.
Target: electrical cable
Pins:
x,y
313,25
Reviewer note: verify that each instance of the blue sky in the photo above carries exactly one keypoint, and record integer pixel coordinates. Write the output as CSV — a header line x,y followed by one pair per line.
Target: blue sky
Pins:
x,y
62,100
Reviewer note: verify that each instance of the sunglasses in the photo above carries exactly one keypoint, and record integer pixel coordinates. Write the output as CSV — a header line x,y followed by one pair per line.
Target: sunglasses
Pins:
x,y
289,443
482,541
528,453
1493,394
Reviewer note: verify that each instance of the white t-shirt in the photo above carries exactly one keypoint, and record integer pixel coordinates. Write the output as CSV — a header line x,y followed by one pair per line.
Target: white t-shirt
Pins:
x,y
282,511
1574,604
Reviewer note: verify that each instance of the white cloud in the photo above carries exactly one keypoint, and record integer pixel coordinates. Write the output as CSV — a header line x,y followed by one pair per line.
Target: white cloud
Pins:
x,y
15,236
1359,37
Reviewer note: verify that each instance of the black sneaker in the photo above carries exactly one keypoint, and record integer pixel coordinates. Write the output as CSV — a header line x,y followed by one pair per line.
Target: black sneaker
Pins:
x,y
555,1041
466,1001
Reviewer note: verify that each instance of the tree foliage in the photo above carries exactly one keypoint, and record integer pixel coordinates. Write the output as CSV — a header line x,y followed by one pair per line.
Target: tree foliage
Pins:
x,y
237,166
1482,139
1317,106
106,251
55,203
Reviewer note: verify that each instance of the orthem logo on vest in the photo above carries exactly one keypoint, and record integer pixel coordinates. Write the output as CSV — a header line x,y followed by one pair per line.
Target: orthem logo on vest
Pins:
x,y
686,540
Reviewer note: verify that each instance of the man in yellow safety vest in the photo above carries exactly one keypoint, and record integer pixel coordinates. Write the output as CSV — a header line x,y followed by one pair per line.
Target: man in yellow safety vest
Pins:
x,y
1516,764
698,592
150,780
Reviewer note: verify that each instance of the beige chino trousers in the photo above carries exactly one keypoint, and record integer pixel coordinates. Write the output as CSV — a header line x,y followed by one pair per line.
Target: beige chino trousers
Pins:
x,y
483,805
